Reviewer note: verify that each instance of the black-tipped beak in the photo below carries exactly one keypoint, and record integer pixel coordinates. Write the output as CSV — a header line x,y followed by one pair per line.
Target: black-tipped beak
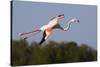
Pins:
x,y
78,21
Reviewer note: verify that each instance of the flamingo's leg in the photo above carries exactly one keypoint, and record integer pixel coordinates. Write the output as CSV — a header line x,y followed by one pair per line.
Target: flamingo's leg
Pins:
x,y
37,30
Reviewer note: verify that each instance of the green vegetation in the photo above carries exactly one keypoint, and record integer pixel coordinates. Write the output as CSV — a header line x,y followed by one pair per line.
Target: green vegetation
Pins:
x,y
50,53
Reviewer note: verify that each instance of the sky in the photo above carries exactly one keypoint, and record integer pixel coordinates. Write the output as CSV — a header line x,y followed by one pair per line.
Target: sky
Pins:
x,y
28,16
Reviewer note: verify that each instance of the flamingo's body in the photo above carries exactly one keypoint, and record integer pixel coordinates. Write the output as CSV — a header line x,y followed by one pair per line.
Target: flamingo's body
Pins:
x,y
53,24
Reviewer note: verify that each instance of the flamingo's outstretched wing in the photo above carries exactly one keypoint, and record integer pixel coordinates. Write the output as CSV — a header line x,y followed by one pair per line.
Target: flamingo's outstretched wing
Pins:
x,y
46,34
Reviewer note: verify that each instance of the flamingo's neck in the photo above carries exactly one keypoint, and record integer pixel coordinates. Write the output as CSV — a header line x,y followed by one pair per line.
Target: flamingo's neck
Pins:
x,y
68,25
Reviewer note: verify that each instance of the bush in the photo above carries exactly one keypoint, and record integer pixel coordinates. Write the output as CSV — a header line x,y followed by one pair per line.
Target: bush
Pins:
x,y
23,53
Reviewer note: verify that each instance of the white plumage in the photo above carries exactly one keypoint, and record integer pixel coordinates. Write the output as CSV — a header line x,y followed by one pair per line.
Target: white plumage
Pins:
x,y
52,24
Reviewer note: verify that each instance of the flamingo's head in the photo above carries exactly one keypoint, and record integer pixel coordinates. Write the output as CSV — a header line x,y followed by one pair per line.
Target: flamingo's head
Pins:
x,y
74,20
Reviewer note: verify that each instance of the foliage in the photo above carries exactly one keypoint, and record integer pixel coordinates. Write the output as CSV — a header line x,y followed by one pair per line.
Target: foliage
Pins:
x,y
52,52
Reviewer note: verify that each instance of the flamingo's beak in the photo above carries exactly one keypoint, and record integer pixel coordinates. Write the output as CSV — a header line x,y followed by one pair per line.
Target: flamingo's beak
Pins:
x,y
78,21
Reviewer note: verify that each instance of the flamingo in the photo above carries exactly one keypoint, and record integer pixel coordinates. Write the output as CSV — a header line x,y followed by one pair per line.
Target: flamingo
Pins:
x,y
48,28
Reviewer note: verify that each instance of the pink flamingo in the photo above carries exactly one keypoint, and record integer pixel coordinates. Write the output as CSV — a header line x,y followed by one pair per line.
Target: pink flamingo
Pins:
x,y
53,24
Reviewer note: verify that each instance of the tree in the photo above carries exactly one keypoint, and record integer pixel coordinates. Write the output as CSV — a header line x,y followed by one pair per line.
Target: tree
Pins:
x,y
52,52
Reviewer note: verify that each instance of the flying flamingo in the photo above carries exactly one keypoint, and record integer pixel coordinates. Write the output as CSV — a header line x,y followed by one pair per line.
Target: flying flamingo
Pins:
x,y
53,24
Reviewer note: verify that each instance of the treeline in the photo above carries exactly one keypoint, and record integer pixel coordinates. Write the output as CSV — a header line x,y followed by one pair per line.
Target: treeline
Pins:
x,y
52,52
